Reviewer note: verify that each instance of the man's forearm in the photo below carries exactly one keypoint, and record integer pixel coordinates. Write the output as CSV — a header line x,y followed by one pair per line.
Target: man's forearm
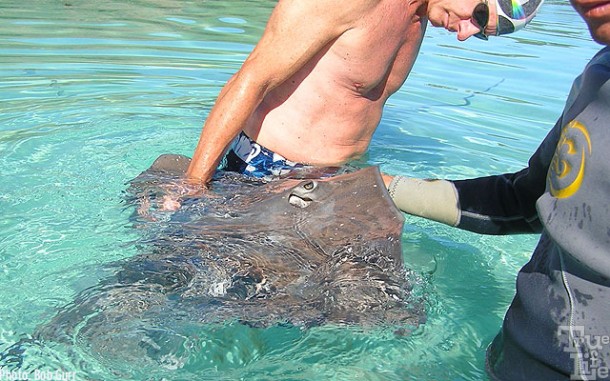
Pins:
x,y
204,162
235,103
500,204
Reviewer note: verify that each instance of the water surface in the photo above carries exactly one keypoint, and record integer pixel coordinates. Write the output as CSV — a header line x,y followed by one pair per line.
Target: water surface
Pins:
x,y
92,92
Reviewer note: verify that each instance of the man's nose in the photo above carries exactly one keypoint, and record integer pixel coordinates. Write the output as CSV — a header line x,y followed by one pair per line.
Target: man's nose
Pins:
x,y
466,29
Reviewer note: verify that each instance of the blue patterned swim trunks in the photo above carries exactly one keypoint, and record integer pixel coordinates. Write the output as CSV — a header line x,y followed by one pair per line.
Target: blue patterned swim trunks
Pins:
x,y
250,158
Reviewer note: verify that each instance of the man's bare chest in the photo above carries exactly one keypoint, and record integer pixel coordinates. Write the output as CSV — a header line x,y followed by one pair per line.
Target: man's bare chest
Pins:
x,y
378,58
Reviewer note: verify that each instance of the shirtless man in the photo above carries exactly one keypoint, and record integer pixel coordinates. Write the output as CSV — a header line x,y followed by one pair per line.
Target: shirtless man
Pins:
x,y
312,91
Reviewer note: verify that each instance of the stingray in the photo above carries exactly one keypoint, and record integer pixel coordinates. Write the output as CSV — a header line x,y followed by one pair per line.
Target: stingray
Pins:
x,y
304,251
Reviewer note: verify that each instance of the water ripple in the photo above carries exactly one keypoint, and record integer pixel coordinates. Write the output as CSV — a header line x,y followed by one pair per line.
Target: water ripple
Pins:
x,y
93,91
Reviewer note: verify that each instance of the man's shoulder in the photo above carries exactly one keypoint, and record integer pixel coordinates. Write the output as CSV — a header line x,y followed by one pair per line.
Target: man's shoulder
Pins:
x,y
593,76
335,11
601,58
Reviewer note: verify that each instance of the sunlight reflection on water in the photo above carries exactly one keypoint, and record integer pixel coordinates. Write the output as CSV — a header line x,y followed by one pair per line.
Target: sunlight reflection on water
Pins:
x,y
92,92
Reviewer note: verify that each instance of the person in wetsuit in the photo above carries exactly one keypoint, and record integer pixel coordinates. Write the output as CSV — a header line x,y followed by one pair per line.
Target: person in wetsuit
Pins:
x,y
558,325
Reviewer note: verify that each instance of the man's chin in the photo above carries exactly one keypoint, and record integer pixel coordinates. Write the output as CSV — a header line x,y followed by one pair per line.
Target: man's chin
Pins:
x,y
601,34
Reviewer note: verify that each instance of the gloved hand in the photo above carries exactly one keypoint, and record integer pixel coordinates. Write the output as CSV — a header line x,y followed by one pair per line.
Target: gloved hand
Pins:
x,y
433,199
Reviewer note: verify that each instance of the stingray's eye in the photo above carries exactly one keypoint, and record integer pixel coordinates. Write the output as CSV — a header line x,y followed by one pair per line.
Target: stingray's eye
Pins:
x,y
303,194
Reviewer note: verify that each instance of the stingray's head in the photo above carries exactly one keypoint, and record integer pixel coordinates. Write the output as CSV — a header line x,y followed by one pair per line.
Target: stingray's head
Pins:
x,y
350,193
340,208
305,193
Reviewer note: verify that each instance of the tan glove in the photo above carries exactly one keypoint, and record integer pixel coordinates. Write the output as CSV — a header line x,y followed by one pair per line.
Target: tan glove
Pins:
x,y
433,199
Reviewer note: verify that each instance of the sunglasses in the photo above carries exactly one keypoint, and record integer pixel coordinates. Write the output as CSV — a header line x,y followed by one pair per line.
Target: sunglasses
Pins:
x,y
480,16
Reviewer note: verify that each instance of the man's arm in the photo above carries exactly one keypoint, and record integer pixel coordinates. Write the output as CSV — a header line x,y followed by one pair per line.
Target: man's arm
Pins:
x,y
501,204
486,205
297,30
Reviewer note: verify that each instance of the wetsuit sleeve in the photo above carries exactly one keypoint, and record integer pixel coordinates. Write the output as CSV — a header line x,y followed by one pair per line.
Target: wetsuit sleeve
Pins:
x,y
501,204
506,204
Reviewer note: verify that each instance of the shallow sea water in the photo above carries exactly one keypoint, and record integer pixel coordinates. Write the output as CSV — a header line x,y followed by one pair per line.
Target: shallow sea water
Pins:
x,y
92,92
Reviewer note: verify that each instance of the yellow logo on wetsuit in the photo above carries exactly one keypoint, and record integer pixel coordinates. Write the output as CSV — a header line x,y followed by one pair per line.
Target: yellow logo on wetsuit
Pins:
x,y
567,169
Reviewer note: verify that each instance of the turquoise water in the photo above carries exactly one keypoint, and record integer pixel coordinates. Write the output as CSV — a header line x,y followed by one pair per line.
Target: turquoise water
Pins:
x,y
92,92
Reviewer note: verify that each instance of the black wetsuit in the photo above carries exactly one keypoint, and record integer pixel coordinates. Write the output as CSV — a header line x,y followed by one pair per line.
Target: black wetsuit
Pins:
x,y
558,325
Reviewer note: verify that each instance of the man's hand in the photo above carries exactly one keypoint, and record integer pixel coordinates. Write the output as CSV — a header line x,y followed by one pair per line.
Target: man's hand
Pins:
x,y
164,186
176,191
